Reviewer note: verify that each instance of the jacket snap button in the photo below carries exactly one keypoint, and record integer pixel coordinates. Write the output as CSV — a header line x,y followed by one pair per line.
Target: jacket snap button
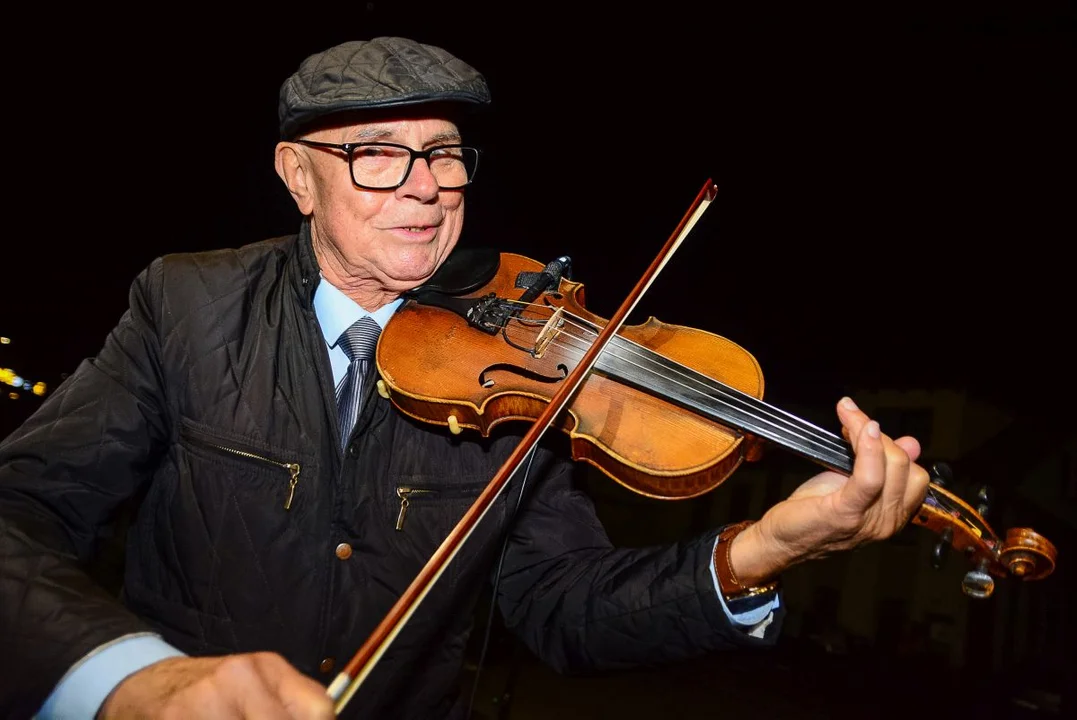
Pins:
x,y
326,665
352,450
344,551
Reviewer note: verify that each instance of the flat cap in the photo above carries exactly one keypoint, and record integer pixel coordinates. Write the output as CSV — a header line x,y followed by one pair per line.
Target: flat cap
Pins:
x,y
382,72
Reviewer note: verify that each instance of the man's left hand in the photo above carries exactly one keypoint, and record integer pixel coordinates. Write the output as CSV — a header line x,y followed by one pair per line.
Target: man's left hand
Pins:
x,y
832,512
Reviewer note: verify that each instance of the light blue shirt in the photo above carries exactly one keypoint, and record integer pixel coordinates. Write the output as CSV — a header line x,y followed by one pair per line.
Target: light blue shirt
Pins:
x,y
81,691
336,313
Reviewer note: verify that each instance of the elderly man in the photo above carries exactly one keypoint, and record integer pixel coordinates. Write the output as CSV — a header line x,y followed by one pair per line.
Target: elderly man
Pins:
x,y
234,402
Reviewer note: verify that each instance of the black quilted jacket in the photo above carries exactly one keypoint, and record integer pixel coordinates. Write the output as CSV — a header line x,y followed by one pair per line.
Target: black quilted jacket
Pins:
x,y
212,391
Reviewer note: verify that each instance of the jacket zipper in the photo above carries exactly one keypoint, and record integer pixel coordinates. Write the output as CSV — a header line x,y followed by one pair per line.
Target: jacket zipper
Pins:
x,y
292,468
406,493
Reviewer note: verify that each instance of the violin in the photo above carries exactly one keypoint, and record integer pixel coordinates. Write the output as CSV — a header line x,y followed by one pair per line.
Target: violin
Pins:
x,y
665,410
670,412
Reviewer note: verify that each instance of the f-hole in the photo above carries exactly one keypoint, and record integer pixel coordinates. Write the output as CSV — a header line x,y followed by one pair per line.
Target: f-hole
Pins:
x,y
488,382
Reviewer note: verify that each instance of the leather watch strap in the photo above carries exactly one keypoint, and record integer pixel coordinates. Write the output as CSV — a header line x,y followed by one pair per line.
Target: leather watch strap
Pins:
x,y
727,579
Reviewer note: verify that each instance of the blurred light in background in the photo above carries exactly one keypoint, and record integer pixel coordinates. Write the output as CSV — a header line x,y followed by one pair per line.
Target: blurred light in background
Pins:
x,y
9,377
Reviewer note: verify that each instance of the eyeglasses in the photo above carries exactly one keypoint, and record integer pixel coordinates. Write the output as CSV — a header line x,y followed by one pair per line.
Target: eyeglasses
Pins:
x,y
386,166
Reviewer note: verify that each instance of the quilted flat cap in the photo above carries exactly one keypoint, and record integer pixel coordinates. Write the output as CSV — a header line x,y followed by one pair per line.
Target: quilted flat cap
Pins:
x,y
379,73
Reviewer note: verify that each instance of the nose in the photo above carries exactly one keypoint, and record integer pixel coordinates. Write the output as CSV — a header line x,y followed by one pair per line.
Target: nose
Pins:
x,y
420,182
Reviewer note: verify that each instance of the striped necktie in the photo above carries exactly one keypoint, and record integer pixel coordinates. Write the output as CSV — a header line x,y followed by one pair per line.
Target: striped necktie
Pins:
x,y
358,343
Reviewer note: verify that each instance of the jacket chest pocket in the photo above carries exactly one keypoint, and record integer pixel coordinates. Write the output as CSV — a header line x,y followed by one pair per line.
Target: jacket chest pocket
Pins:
x,y
232,520
282,470
433,502
423,512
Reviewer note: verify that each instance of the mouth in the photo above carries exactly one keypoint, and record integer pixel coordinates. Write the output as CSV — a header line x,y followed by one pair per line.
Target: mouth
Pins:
x,y
420,226
419,233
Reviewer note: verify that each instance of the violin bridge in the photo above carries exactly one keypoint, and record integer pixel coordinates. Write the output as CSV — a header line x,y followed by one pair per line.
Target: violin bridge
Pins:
x,y
549,331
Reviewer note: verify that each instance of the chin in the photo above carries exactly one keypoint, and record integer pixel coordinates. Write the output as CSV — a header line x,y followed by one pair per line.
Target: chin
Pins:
x,y
415,265
406,276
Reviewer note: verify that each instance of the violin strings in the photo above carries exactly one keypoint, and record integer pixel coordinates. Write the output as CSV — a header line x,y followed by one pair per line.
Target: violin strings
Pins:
x,y
672,367
672,370
745,402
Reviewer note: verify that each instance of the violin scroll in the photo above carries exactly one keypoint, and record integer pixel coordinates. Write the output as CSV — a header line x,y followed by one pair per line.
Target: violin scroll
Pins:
x,y
1027,554
1024,553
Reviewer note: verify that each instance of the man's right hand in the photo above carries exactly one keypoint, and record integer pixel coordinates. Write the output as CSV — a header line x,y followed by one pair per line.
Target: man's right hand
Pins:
x,y
257,685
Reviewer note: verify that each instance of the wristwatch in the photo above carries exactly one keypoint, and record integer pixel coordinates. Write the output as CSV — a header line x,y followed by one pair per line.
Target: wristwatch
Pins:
x,y
732,588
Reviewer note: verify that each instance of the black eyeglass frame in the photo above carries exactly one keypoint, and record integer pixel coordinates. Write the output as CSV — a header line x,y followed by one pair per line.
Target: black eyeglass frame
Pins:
x,y
349,148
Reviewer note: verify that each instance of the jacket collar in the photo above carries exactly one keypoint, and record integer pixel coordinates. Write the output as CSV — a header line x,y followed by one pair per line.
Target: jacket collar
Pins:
x,y
305,275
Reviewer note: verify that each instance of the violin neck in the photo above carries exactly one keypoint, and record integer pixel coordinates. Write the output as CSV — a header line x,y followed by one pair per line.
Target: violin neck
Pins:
x,y
728,406
690,389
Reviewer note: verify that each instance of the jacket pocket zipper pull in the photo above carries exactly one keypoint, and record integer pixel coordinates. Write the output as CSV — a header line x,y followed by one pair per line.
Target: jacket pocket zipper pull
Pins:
x,y
293,468
404,493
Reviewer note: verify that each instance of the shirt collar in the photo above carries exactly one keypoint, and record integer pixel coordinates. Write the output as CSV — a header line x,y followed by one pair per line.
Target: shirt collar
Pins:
x,y
336,311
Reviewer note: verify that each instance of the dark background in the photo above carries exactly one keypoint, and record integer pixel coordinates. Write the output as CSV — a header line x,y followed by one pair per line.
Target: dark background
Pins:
x,y
896,183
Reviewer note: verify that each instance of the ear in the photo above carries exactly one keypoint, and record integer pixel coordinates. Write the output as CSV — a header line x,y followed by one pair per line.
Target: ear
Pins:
x,y
290,164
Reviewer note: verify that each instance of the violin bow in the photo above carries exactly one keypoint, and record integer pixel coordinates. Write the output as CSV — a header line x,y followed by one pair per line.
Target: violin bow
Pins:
x,y
351,677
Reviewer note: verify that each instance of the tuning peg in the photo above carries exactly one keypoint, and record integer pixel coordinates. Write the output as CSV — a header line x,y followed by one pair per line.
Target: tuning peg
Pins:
x,y
978,583
984,496
942,547
941,474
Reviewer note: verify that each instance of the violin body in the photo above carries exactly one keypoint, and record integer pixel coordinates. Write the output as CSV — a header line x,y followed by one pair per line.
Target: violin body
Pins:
x,y
440,369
